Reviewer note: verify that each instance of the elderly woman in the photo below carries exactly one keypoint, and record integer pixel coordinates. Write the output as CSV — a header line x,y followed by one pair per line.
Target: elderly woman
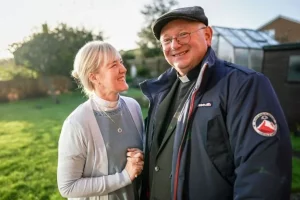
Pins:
x,y
100,146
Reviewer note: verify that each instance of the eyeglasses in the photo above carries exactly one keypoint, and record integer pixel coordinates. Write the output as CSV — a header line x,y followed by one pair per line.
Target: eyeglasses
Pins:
x,y
182,38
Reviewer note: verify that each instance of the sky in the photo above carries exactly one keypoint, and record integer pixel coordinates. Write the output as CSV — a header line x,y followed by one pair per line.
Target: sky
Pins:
x,y
121,20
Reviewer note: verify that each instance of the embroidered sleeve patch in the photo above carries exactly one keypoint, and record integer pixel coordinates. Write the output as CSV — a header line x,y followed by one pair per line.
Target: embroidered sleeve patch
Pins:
x,y
265,124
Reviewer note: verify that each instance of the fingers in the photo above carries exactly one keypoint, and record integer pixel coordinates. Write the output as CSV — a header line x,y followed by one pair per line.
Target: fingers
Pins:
x,y
133,170
136,164
135,160
138,170
134,149
136,154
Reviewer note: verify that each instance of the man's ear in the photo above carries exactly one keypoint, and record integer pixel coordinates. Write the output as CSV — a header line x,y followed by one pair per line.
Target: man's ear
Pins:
x,y
208,35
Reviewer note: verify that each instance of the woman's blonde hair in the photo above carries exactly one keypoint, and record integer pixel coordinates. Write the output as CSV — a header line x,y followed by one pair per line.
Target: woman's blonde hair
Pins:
x,y
89,58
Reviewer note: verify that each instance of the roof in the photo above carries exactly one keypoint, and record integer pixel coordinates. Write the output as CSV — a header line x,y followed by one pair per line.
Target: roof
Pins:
x,y
285,46
279,17
245,38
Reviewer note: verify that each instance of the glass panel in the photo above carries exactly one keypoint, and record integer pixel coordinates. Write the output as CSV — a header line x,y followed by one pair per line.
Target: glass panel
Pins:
x,y
241,56
214,43
261,44
255,36
215,31
256,57
245,38
268,38
294,68
225,50
236,42
270,32
224,31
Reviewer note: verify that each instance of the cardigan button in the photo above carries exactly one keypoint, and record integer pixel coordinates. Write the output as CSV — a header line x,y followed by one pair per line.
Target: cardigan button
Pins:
x,y
156,168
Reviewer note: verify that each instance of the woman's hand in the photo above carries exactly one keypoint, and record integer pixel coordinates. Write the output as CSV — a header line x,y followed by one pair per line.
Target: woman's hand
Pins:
x,y
135,162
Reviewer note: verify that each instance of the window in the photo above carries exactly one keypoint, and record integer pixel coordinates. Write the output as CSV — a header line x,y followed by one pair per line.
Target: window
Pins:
x,y
294,69
215,43
225,50
269,38
255,36
241,57
256,57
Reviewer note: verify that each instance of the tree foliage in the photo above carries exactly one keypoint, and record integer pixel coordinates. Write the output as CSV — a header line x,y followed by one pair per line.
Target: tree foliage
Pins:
x,y
148,44
51,52
127,55
9,71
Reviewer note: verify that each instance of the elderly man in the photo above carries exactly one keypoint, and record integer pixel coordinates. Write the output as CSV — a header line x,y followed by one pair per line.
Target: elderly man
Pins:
x,y
215,130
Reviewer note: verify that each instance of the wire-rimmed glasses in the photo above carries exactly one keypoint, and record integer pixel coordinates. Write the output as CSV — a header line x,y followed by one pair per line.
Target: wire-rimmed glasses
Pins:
x,y
182,38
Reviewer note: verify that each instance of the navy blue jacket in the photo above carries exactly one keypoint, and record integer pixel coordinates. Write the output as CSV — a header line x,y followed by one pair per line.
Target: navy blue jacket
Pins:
x,y
231,139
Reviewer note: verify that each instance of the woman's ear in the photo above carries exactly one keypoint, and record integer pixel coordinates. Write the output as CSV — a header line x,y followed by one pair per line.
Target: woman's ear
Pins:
x,y
93,78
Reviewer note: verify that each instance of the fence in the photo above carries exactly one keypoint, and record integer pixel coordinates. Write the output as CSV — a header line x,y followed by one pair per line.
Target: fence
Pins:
x,y
156,65
23,88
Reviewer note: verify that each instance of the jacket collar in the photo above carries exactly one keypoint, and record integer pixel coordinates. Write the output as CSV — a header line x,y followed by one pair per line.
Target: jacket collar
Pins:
x,y
154,86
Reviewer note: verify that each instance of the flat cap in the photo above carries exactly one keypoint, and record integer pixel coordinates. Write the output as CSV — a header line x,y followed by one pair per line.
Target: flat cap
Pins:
x,y
195,13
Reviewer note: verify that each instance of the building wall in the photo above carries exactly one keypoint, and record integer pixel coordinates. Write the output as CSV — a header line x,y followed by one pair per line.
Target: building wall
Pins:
x,y
285,30
275,67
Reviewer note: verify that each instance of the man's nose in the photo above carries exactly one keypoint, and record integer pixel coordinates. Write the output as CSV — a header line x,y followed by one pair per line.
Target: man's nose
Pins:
x,y
175,44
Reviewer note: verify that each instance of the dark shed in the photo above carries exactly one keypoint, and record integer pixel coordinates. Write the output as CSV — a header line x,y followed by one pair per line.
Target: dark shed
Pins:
x,y
281,64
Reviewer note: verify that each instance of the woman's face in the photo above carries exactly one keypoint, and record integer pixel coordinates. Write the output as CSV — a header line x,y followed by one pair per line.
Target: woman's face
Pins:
x,y
111,79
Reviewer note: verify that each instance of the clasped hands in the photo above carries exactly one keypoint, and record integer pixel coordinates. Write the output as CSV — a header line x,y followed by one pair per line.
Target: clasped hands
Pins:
x,y
135,162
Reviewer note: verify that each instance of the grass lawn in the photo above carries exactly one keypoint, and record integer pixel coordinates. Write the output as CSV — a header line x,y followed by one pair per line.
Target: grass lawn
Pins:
x,y
296,165
295,143
28,140
296,175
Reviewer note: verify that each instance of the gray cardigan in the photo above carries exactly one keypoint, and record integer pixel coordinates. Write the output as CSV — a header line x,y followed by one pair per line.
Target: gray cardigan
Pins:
x,y
82,170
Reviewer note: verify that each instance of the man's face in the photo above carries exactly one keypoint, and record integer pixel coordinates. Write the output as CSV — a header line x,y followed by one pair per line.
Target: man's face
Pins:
x,y
181,55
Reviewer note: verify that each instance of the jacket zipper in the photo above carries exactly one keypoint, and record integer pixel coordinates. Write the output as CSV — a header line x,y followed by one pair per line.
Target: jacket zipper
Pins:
x,y
180,148
185,132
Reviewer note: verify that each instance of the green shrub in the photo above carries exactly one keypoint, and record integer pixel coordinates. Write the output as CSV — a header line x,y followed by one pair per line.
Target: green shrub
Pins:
x,y
295,143
143,72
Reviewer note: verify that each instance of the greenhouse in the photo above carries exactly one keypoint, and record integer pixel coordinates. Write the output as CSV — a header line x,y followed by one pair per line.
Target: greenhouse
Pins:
x,y
241,46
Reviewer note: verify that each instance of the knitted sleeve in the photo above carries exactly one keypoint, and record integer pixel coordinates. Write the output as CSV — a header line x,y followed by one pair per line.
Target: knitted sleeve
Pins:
x,y
72,153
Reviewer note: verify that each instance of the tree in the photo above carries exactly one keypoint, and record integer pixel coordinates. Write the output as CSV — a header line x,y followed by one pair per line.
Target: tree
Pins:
x,y
52,52
9,70
148,44
127,55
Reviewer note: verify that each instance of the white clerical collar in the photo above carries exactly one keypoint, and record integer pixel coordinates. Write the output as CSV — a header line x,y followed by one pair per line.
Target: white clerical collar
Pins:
x,y
184,79
104,104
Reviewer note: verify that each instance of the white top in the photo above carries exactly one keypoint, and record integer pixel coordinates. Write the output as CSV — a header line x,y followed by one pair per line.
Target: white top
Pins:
x,y
103,104
82,159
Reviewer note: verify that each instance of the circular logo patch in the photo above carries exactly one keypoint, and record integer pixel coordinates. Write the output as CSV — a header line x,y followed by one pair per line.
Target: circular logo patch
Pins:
x,y
265,124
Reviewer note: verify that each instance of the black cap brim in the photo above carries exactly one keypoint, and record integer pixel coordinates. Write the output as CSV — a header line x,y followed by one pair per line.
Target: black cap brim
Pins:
x,y
195,13
160,24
